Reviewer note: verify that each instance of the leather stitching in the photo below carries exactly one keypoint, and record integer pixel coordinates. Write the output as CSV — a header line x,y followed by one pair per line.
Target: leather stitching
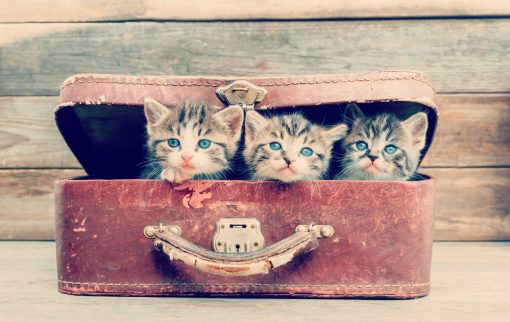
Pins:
x,y
246,285
213,83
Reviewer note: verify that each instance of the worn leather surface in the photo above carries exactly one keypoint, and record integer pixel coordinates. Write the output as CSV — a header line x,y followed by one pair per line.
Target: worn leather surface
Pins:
x,y
311,90
381,247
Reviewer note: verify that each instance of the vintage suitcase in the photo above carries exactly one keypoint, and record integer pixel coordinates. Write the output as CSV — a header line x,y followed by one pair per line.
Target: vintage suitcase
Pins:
x,y
119,235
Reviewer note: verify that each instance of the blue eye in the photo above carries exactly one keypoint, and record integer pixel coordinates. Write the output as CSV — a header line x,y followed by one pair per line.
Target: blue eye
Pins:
x,y
390,149
173,143
204,144
275,146
361,145
306,152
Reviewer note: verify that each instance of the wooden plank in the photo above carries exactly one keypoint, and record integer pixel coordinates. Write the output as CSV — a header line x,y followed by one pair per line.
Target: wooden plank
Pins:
x,y
472,204
29,137
459,55
100,10
469,283
474,131
27,203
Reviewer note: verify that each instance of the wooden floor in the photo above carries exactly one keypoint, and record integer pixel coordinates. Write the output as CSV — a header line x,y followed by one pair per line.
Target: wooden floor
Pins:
x,y
470,282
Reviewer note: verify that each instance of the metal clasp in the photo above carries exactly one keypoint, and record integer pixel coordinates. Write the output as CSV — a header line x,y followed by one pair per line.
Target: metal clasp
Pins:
x,y
237,235
242,93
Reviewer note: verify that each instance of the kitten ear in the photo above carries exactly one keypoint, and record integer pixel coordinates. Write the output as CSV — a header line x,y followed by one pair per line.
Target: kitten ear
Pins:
x,y
417,124
335,133
154,111
253,125
352,112
232,117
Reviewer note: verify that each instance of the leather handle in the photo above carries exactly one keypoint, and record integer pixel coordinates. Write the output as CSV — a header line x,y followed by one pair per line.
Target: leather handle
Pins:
x,y
234,264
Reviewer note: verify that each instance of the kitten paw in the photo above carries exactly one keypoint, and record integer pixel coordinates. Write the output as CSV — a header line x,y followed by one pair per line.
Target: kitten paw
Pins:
x,y
173,176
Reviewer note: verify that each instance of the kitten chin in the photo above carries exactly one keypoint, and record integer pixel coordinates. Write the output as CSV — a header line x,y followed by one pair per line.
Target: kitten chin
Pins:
x,y
288,148
190,141
382,147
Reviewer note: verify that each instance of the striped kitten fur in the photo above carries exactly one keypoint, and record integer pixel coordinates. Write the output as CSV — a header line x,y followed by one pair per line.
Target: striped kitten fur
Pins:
x,y
288,148
190,141
382,147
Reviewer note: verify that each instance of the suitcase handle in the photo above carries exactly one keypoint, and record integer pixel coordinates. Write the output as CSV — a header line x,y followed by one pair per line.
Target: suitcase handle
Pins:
x,y
304,240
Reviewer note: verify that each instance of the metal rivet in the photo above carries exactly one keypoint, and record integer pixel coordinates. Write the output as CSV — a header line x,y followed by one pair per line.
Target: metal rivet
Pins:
x,y
256,244
253,226
301,228
326,231
149,231
222,226
219,243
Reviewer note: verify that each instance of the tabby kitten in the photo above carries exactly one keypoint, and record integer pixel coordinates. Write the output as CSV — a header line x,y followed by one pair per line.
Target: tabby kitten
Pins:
x,y
382,147
190,141
288,148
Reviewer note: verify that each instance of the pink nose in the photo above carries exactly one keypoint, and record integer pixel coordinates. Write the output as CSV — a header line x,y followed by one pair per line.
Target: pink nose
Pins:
x,y
288,161
186,157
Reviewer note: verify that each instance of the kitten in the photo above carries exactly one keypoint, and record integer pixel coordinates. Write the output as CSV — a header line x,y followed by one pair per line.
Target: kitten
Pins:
x,y
288,148
190,141
382,147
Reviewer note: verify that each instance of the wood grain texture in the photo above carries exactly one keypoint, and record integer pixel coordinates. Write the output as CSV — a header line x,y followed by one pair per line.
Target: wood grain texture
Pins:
x,y
469,284
472,204
29,137
474,131
459,55
100,10
27,203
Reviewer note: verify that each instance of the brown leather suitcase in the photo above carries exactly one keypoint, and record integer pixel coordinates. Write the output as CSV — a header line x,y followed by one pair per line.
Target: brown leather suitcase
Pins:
x,y
118,235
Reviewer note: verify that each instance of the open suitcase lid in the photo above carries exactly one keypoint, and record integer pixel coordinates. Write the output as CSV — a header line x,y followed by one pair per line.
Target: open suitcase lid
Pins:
x,y
102,120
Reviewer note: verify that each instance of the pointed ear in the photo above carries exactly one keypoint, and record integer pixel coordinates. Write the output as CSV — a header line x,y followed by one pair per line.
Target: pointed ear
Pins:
x,y
335,133
417,124
154,111
254,124
233,118
352,112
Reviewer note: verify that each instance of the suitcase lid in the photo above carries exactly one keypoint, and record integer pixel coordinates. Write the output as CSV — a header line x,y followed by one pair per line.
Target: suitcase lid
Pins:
x,y
101,116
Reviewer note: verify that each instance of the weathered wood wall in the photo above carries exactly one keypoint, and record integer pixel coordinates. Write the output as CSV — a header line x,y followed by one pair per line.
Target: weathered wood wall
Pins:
x,y
465,48
461,56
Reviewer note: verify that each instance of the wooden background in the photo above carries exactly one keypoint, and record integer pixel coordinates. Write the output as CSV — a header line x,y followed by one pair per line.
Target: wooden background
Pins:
x,y
463,45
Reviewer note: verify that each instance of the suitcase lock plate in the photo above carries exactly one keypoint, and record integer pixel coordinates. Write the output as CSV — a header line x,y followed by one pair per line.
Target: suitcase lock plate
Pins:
x,y
242,93
237,235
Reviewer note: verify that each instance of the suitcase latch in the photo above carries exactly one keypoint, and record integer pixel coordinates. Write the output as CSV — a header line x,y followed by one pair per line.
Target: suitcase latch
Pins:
x,y
237,235
242,93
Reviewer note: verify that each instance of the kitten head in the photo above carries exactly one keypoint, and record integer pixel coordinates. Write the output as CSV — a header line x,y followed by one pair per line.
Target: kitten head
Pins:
x,y
289,147
194,138
382,147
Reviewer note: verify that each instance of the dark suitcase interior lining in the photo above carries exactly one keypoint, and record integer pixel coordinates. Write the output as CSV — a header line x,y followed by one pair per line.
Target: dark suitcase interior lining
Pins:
x,y
109,140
